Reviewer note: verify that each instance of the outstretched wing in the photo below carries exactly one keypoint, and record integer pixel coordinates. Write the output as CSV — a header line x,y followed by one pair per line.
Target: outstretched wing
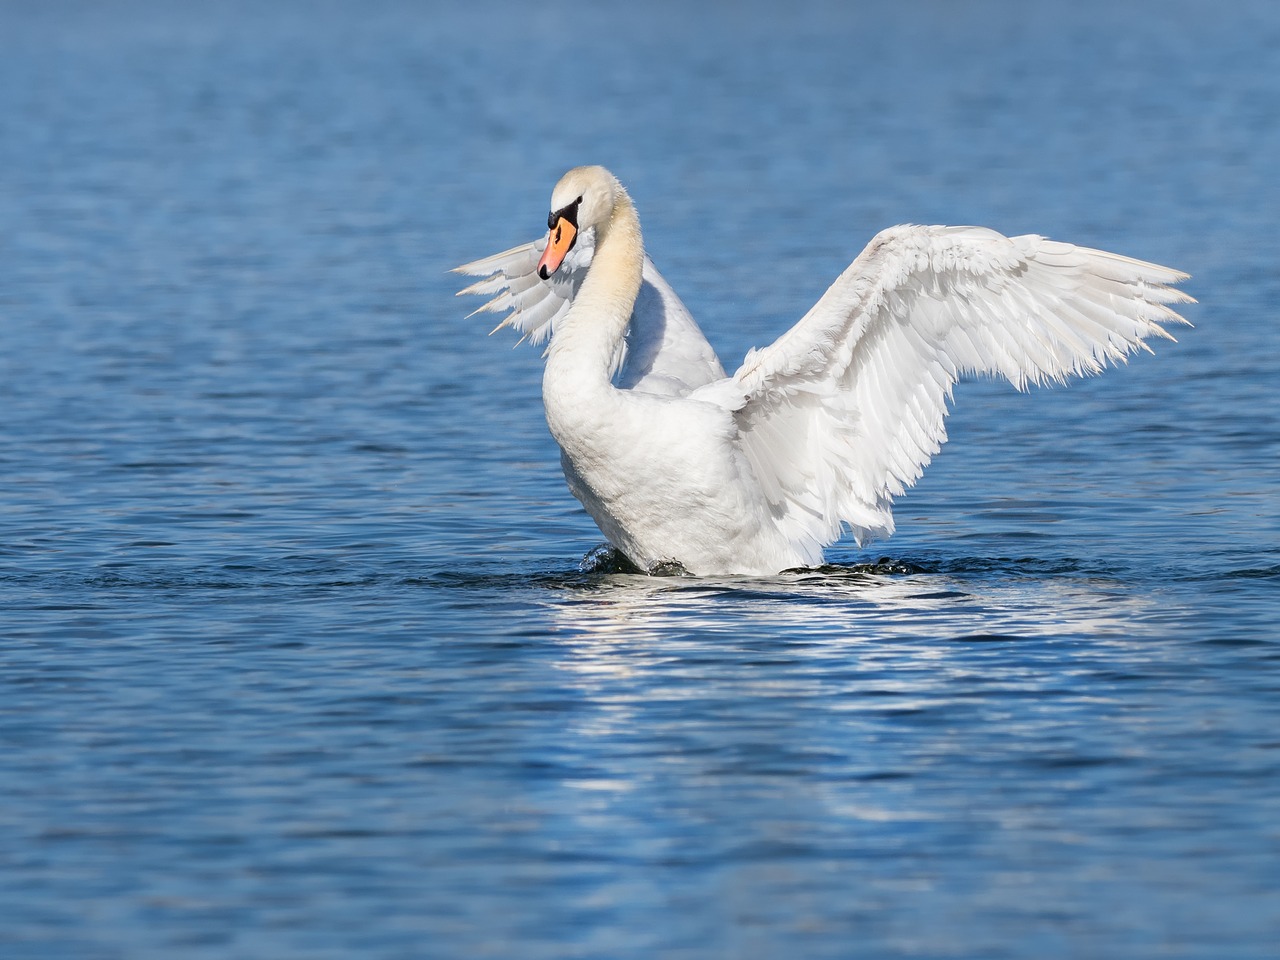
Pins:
x,y
534,304
665,352
844,411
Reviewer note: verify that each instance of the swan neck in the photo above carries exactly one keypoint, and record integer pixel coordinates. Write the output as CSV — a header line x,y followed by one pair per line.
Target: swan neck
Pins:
x,y
593,329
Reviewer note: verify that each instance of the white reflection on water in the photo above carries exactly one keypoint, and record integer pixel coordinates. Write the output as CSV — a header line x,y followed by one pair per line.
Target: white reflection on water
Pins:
x,y
831,701
853,608
794,661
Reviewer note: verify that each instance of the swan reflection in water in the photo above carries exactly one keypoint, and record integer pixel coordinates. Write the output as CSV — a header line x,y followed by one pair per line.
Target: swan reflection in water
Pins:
x,y
831,692
851,611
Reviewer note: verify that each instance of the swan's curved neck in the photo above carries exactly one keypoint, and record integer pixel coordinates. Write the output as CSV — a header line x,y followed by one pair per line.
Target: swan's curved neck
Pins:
x,y
588,337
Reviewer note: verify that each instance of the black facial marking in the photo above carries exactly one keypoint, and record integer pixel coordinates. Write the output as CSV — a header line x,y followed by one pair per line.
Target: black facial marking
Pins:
x,y
569,213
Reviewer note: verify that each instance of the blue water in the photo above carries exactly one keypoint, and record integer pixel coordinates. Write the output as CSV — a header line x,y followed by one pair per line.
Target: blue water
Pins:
x,y
297,660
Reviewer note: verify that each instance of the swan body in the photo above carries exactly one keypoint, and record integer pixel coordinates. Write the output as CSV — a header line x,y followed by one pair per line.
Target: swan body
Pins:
x,y
756,472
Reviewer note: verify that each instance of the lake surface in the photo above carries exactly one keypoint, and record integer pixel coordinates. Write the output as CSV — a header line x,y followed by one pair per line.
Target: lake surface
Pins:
x,y
296,657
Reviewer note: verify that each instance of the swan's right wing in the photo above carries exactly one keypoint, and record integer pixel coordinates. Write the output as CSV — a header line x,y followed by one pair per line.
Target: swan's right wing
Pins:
x,y
533,304
843,411
665,352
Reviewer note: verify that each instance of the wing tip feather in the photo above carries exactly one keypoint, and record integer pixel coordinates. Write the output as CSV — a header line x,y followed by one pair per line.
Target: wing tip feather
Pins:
x,y
475,287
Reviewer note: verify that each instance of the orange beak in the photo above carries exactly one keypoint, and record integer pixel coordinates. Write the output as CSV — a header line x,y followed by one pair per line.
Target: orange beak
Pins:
x,y
558,243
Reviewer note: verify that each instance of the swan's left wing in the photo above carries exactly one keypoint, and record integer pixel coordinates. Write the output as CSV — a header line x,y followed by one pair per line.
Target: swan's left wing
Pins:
x,y
664,352
844,410
512,278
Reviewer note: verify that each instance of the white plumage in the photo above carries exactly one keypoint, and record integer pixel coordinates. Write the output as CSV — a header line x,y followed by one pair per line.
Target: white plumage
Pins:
x,y
756,472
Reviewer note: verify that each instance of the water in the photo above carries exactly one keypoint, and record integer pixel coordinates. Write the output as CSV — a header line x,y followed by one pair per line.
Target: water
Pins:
x,y
297,660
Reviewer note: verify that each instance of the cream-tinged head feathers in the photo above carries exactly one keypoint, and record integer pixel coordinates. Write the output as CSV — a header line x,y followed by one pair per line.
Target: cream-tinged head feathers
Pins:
x,y
594,189
584,198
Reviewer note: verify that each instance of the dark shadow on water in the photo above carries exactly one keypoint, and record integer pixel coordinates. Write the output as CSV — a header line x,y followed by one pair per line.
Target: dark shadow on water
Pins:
x,y
607,559
602,568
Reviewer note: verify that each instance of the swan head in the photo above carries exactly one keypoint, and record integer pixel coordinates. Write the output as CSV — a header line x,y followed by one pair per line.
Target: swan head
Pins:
x,y
584,198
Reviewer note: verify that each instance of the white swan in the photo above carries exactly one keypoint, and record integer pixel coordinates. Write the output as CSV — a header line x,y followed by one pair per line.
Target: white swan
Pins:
x,y
756,472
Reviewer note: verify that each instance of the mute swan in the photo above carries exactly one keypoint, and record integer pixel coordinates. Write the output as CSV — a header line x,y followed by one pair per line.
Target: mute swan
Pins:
x,y
755,473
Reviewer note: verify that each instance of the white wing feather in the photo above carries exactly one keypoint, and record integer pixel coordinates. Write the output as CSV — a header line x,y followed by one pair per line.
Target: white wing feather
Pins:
x,y
534,304
844,411
665,352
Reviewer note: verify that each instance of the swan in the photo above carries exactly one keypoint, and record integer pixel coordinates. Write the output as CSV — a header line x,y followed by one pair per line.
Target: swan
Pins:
x,y
684,467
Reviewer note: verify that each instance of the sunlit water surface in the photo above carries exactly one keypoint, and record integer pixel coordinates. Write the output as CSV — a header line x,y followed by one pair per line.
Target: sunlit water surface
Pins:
x,y
297,657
